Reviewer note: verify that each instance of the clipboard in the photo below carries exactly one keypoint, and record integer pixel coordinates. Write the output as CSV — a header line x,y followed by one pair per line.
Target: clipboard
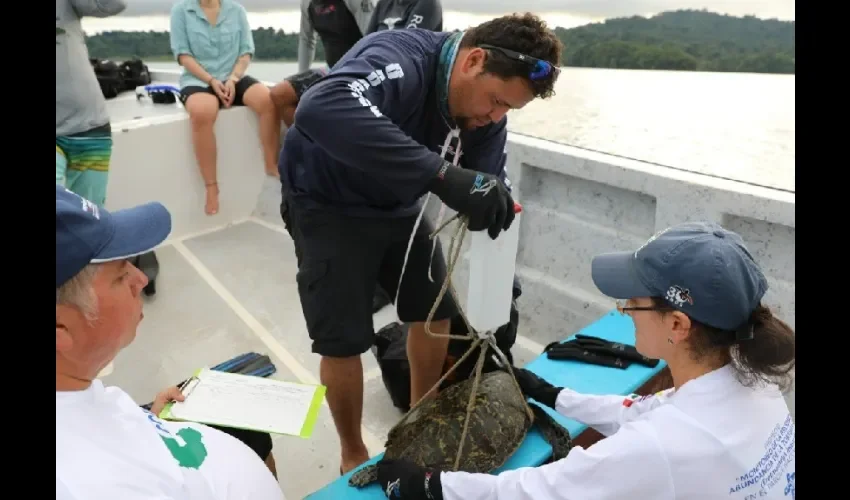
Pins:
x,y
248,402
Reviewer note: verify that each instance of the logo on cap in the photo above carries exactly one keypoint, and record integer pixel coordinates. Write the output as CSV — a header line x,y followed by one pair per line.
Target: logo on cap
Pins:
x,y
86,205
678,295
91,208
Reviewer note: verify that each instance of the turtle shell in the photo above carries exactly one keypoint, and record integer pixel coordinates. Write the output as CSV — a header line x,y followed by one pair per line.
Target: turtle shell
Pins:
x,y
431,434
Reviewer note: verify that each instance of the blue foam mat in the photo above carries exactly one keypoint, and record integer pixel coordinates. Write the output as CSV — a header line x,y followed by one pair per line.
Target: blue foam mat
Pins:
x,y
582,377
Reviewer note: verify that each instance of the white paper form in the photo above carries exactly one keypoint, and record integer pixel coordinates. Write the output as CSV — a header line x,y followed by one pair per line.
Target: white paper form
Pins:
x,y
249,402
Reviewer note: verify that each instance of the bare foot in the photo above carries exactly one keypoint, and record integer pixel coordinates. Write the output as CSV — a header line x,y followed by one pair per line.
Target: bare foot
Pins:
x,y
354,461
211,207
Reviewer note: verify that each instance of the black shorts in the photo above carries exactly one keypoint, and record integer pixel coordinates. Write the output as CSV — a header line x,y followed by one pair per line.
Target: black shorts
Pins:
x,y
341,260
241,86
260,442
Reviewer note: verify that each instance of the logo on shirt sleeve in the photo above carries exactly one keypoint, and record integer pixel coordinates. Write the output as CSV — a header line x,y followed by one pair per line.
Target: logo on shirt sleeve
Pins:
x,y
630,399
374,79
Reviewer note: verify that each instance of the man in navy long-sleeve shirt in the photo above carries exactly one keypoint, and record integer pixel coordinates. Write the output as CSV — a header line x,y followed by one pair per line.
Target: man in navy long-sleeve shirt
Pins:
x,y
402,114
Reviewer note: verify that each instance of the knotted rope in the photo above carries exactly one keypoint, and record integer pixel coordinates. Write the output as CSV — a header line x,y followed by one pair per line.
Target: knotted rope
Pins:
x,y
484,341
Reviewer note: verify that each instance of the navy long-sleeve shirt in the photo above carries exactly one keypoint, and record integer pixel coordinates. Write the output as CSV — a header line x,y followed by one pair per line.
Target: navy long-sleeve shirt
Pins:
x,y
367,137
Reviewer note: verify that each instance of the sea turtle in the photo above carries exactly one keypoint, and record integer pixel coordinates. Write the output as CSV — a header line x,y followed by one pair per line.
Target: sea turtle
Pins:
x,y
430,433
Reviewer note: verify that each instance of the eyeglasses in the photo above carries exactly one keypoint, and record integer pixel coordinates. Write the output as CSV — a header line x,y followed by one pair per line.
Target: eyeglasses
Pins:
x,y
623,308
541,69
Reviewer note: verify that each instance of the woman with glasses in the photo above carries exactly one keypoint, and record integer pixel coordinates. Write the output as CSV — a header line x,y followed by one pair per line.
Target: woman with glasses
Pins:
x,y
695,296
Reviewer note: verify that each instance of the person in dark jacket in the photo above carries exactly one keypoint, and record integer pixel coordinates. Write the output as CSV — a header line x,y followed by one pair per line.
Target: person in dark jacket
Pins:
x,y
338,23
404,114
400,14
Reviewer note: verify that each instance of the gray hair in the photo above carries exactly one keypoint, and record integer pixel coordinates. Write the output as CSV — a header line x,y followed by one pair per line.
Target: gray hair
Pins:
x,y
78,292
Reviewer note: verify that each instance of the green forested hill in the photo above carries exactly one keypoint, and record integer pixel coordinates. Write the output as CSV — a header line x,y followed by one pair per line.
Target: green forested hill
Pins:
x,y
680,40
686,40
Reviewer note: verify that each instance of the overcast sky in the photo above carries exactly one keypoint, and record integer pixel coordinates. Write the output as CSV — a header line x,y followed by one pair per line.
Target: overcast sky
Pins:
x,y
783,9
458,14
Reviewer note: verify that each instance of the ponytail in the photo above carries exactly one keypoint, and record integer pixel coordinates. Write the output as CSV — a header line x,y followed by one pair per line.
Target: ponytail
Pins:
x,y
770,355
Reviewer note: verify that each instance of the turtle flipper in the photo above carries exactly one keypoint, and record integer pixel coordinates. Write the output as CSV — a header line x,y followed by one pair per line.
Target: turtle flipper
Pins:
x,y
365,476
555,434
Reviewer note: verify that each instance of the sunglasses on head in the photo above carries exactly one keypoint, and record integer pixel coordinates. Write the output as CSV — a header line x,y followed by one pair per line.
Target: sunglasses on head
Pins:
x,y
540,68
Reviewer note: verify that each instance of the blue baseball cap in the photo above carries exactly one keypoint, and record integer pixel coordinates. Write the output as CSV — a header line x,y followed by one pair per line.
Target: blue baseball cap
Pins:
x,y
87,233
700,268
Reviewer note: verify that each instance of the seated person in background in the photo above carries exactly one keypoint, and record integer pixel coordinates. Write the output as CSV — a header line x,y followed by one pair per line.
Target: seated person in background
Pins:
x,y
107,446
212,40
400,14
695,295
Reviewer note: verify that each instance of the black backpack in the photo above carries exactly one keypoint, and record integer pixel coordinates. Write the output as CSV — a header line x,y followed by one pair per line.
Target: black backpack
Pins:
x,y
135,73
109,77
114,78
148,264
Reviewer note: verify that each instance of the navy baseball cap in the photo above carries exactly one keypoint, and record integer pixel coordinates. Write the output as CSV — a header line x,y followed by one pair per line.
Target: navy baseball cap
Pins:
x,y
87,233
700,268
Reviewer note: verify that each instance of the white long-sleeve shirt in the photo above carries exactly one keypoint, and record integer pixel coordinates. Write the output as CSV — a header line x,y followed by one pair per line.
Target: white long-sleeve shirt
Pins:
x,y
712,438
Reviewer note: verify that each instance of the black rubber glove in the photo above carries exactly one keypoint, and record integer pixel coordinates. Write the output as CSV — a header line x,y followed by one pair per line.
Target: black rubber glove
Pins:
x,y
622,351
569,350
482,197
403,480
536,388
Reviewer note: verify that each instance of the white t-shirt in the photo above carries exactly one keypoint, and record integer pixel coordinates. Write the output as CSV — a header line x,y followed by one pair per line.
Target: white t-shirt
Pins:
x,y
108,448
712,438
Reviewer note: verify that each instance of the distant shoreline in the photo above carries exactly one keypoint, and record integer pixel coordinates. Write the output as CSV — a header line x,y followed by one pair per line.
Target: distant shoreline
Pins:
x,y
169,59
682,40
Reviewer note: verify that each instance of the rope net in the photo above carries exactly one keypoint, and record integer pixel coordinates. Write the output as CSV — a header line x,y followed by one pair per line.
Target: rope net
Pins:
x,y
481,342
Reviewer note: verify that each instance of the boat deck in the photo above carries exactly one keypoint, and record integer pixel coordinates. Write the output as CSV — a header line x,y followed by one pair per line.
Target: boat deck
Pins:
x,y
227,284
229,290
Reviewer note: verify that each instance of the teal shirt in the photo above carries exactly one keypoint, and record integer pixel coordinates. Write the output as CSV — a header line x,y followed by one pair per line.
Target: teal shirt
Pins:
x,y
216,48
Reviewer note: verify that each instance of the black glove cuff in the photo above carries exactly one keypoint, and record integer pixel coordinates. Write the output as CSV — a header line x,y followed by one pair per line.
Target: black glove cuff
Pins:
x,y
438,184
548,396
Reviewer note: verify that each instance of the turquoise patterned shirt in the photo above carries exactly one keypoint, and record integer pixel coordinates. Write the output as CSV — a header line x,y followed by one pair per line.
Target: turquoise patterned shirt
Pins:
x,y
216,48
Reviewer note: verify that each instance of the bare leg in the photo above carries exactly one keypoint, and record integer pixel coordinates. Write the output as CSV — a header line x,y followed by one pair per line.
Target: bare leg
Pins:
x,y
270,463
203,110
344,379
258,98
426,355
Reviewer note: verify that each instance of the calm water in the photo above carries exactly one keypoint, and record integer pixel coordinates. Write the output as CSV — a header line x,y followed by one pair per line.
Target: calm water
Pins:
x,y
738,126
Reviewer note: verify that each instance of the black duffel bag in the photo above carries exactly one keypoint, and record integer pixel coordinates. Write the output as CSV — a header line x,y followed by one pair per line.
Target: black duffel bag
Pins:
x,y
109,77
390,350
